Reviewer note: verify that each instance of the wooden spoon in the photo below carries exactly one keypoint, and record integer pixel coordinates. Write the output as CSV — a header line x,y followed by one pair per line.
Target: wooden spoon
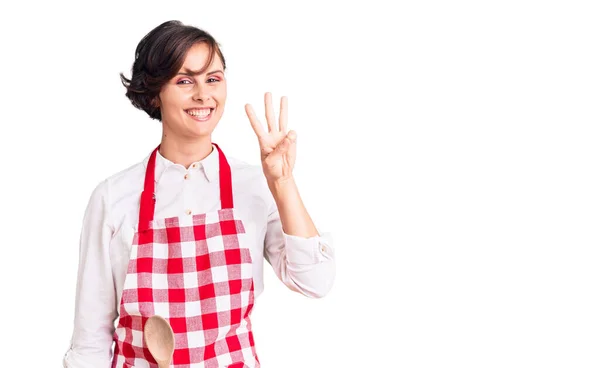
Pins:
x,y
160,340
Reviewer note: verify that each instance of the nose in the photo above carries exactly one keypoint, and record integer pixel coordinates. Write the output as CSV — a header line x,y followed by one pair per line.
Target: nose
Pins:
x,y
201,93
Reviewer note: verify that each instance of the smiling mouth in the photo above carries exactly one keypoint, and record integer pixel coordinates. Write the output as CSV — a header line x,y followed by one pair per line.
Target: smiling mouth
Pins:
x,y
201,114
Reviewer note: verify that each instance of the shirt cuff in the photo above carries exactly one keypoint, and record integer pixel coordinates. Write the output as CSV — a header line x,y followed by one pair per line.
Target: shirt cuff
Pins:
x,y
72,359
309,251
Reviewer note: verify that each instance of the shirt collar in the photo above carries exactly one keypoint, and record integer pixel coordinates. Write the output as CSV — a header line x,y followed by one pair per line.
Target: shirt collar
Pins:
x,y
209,165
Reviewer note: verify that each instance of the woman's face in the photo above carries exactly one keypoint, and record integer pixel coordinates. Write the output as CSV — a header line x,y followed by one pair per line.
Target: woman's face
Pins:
x,y
190,104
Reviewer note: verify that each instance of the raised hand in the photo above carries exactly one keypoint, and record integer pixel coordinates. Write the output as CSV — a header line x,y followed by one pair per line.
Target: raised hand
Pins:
x,y
277,145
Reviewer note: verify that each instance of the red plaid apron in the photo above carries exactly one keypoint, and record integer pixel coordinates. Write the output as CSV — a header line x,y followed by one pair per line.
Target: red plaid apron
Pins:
x,y
196,272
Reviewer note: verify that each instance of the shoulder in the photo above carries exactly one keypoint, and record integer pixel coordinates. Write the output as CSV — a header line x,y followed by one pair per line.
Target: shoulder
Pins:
x,y
127,179
124,182
245,172
248,180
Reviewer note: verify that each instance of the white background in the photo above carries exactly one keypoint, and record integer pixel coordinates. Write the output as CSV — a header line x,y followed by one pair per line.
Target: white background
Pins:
x,y
451,147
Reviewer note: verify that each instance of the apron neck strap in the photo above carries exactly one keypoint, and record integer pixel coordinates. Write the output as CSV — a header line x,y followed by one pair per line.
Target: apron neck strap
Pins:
x,y
225,188
148,198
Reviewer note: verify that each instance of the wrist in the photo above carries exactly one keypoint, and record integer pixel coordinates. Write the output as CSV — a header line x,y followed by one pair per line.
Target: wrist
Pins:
x,y
283,187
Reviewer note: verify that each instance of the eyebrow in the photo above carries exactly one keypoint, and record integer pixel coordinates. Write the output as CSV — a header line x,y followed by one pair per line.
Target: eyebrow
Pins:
x,y
192,73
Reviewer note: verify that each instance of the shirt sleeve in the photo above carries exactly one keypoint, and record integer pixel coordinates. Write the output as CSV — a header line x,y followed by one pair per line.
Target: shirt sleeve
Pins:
x,y
95,310
305,265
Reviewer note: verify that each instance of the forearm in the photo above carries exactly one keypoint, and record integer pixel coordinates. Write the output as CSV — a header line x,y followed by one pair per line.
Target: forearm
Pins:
x,y
295,219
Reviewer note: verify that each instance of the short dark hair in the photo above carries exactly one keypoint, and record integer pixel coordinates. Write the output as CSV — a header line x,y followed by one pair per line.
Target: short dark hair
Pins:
x,y
158,58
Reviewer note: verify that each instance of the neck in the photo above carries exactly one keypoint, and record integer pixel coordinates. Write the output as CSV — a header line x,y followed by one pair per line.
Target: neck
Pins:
x,y
184,151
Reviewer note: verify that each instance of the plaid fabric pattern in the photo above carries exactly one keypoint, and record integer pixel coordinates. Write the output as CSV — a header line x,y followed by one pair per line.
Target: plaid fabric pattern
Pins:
x,y
196,272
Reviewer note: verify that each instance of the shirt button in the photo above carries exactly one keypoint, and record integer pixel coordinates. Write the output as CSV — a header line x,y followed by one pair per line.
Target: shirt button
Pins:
x,y
194,165
186,176
189,212
323,249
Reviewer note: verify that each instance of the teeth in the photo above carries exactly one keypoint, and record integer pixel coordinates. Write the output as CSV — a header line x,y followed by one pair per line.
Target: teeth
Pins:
x,y
199,113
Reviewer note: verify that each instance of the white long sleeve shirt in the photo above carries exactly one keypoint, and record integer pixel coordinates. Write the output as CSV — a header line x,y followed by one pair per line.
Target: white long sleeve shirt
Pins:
x,y
305,265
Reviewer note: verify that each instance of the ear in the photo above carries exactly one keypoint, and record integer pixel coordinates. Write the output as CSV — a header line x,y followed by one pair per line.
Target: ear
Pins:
x,y
156,102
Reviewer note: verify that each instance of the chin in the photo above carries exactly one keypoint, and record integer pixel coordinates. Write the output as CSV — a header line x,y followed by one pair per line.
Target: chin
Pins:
x,y
202,128
203,131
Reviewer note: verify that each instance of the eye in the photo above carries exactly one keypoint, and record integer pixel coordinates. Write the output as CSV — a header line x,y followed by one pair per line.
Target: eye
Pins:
x,y
212,79
184,80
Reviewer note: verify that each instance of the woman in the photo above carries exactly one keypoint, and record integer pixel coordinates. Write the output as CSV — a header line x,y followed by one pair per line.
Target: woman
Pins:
x,y
182,233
